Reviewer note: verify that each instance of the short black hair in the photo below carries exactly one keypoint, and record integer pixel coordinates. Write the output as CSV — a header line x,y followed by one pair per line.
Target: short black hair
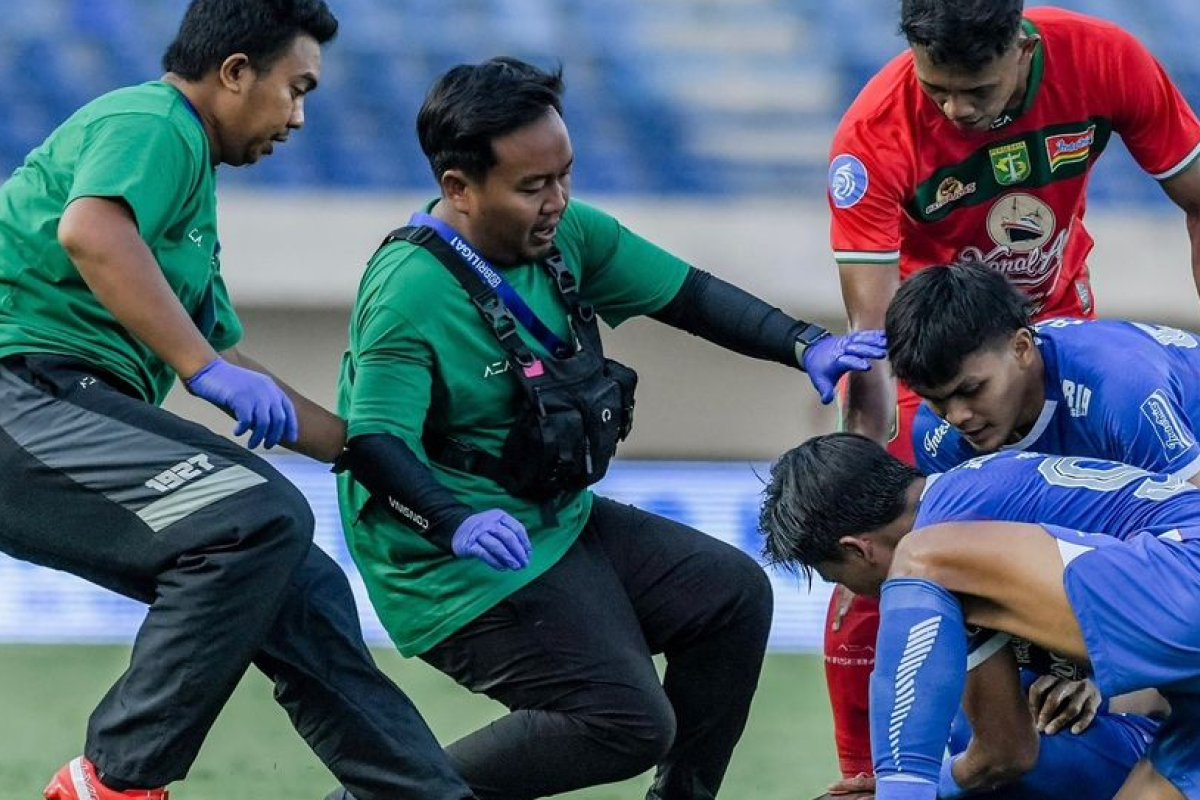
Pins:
x,y
945,313
213,30
966,34
473,104
835,485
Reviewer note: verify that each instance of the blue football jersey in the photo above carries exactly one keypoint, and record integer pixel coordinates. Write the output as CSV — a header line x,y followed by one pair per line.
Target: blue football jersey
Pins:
x,y
1085,494
1121,391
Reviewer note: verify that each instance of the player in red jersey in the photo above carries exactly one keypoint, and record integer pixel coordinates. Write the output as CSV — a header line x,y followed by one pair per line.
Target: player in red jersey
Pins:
x,y
976,144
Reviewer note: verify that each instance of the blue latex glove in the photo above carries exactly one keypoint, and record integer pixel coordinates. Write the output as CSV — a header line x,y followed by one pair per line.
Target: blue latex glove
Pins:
x,y
256,402
495,538
827,359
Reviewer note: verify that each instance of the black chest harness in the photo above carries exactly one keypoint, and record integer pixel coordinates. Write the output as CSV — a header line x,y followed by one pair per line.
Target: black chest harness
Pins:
x,y
576,405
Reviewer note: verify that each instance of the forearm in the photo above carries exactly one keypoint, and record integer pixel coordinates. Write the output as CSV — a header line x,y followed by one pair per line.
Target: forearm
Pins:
x,y
870,403
322,433
725,315
395,476
1193,229
103,242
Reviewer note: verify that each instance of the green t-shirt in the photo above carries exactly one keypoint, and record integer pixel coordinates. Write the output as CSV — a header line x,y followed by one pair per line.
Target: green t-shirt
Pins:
x,y
421,360
144,145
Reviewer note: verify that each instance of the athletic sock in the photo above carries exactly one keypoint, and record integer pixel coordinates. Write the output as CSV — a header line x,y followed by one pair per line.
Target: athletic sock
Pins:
x,y
920,670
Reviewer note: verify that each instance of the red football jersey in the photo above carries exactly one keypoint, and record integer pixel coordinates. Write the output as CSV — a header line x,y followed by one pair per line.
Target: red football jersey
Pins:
x,y
906,185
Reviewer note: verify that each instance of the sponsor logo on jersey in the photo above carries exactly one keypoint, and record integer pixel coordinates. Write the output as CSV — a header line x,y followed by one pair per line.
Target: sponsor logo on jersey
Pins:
x,y
1077,397
848,180
494,369
1176,439
1027,251
950,191
1069,148
933,439
1010,163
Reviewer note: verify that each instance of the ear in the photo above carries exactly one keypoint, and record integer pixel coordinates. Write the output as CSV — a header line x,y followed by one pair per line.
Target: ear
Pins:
x,y
1024,347
457,190
1028,44
235,72
857,547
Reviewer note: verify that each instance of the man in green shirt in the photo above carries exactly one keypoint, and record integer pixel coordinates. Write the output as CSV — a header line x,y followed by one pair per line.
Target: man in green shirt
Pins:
x,y
509,578
110,287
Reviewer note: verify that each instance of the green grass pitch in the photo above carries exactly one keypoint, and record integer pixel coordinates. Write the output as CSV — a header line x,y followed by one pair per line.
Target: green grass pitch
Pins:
x,y
46,693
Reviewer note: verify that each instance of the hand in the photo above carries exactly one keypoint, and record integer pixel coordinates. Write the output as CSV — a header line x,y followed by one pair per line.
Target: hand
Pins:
x,y
828,358
495,538
844,598
860,784
256,402
1057,703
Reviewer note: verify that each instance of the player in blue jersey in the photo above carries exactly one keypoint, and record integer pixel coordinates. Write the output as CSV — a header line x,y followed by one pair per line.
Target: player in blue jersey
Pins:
x,y
997,545
961,337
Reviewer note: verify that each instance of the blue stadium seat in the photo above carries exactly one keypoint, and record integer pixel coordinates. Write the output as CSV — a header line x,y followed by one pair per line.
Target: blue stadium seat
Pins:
x,y
672,97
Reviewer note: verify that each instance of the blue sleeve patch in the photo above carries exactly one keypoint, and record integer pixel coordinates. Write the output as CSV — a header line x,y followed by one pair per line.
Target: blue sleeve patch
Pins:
x,y
848,180
1174,436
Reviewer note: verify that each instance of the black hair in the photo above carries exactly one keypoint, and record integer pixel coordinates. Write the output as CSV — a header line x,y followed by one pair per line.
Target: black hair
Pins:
x,y
473,104
835,485
965,34
213,30
945,313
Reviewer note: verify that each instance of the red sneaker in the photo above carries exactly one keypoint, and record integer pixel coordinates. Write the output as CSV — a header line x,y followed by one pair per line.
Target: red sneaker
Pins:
x,y
77,781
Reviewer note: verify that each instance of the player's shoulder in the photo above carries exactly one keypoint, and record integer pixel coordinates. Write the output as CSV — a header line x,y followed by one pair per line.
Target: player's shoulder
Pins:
x,y
1064,24
1110,347
1073,34
883,106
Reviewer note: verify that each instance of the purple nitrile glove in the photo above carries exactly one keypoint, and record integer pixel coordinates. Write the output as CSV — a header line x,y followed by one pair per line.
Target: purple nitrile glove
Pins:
x,y
256,401
828,358
495,538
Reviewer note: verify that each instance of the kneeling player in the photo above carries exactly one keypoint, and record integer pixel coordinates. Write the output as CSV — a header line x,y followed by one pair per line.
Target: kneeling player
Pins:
x,y
1117,603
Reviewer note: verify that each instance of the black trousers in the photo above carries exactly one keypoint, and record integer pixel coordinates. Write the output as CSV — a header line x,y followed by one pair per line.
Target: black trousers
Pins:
x,y
219,545
570,656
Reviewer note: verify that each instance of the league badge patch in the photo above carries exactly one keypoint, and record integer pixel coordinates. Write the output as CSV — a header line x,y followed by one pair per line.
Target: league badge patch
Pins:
x,y
1010,163
848,180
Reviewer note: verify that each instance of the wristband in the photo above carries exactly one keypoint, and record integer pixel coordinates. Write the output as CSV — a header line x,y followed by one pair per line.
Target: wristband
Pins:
x,y
809,336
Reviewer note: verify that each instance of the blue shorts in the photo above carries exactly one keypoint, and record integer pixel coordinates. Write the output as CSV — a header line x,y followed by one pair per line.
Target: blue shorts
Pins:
x,y
1136,602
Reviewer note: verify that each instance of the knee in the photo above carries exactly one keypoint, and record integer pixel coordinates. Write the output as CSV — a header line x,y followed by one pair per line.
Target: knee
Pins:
x,y
639,727
747,591
278,522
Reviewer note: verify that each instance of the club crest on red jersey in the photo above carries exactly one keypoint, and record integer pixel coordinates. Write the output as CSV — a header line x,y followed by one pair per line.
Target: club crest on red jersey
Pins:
x,y
1010,163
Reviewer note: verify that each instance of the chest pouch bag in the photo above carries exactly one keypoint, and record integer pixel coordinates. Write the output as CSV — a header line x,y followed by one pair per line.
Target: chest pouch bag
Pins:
x,y
577,404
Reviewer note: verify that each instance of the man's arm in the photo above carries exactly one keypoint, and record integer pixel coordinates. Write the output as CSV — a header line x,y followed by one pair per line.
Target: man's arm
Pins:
x,y
102,239
1004,742
1184,190
322,433
720,312
871,397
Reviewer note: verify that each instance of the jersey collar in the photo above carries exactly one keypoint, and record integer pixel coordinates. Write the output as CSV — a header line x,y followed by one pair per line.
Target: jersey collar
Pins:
x,y
1036,67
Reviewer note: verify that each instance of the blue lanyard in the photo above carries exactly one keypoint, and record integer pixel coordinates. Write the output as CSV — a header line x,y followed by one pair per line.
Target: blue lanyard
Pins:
x,y
492,277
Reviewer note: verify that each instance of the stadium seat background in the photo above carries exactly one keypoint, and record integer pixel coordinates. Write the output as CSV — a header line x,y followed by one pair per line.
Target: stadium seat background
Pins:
x,y
711,98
